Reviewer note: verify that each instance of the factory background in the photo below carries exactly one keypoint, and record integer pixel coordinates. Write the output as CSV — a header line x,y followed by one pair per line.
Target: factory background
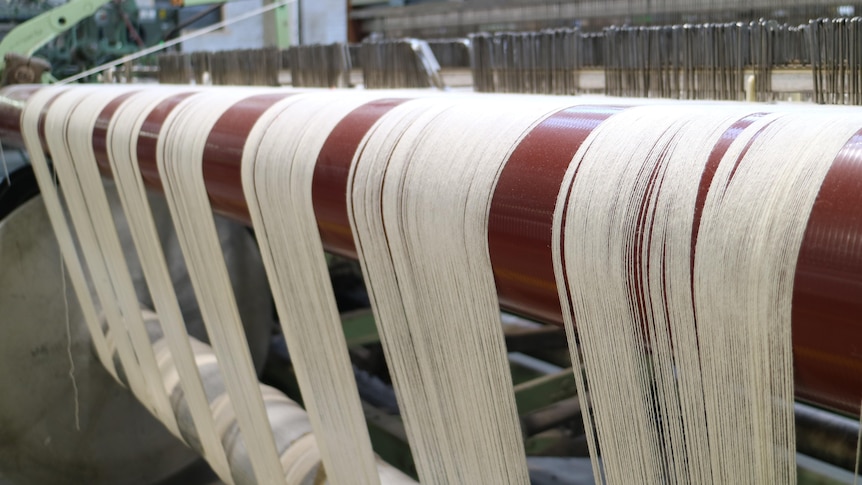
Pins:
x,y
774,54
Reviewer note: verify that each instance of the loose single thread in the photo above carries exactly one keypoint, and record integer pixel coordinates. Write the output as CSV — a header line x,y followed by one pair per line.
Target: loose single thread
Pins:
x,y
68,325
69,350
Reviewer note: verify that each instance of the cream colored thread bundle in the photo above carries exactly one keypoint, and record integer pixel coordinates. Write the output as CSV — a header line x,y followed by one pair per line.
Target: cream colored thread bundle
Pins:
x,y
278,166
751,234
613,178
30,133
78,113
179,155
78,141
130,345
56,121
419,196
693,378
379,274
121,142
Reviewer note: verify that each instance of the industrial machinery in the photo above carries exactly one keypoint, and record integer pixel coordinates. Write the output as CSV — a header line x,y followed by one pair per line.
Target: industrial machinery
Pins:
x,y
544,393
433,19
63,419
97,30
48,41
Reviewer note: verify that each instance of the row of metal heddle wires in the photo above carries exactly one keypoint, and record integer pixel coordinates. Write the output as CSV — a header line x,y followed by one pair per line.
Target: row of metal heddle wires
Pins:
x,y
239,67
710,61
836,59
546,62
706,61
689,61
387,63
384,63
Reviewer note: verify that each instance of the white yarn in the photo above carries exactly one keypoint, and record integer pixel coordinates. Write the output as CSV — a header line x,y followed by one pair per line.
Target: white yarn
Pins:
x,y
858,449
50,195
121,142
695,408
710,400
612,180
99,278
753,223
278,167
365,183
418,196
70,123
91,212
68,321
179,154
5,165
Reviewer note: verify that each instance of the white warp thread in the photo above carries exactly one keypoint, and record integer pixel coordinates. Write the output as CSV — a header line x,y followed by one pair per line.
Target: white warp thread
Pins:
x,y
751,232
5,165
179,153
418,196
53,205
858,449
70,123
278,167
709,401
121,141
68,322
695,407
93,217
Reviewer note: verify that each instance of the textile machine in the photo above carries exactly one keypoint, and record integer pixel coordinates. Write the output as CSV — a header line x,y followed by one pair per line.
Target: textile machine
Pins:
x,y
49,41
67,418
118,440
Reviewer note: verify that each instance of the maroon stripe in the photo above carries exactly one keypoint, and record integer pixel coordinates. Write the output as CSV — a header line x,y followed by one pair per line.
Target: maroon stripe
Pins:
x,y
715,156
223,154
329,183
148,139
100,133
643,235
827,291
10,112
522,211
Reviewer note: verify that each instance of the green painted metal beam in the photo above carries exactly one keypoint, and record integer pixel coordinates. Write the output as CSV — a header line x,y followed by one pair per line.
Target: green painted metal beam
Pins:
x,y
282,26
359,328
543,391
532,390
389,439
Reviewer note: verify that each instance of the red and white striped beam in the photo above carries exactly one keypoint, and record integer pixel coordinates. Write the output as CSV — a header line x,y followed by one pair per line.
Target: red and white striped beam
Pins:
x,y
827,302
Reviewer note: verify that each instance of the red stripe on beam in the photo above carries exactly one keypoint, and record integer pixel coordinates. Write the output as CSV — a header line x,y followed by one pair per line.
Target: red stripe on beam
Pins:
x,y
522,211
329,183
828,286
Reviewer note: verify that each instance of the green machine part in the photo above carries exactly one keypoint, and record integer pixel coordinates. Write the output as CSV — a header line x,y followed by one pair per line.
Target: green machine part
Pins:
x,y
75,36
115,30
28,37
85,33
